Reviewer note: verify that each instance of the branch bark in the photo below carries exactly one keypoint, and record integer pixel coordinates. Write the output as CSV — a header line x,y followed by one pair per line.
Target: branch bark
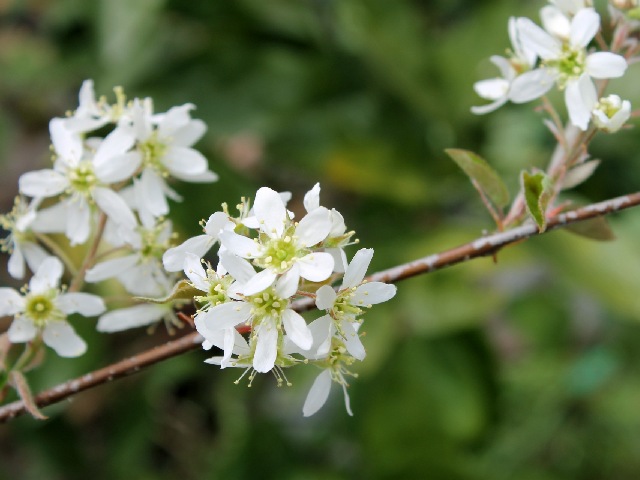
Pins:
x,y
481,247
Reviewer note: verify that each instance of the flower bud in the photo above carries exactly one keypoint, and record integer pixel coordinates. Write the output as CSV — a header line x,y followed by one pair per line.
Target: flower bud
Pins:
x,y
610,113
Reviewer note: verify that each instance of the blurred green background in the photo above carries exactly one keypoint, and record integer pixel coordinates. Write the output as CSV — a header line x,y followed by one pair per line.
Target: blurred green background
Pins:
x,y
526,369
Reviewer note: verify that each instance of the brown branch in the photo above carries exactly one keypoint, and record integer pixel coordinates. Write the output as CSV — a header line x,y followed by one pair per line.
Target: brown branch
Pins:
x,y
481,247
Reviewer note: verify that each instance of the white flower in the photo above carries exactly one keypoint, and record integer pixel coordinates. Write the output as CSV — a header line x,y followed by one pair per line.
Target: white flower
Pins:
x,y
84,179
44,309
21,242
92,114
338,237
199,245
141,272
282,246
499,90
611,113
565,61
345,306
165,144
268,313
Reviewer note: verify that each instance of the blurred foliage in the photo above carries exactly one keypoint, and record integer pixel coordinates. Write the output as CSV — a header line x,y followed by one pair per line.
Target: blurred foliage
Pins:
x,y
526,369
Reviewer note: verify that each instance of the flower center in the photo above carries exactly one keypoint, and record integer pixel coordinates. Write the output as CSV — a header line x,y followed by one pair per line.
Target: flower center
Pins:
x,y
268,304
280,253
570,65
153,150
82,178
41,309
217,294
152,246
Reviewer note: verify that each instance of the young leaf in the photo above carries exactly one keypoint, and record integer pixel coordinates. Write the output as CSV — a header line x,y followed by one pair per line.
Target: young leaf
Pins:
x,y
595,229
579,174
537,192
485,177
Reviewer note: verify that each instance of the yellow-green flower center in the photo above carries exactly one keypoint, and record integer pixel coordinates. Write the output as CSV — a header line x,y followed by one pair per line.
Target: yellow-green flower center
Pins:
x,y
40,308
82,179
153,150
570,64
280,253
268,304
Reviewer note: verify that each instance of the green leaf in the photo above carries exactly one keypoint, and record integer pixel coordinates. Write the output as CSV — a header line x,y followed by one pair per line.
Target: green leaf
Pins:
x,y
183,291
595,228
537,192
481,173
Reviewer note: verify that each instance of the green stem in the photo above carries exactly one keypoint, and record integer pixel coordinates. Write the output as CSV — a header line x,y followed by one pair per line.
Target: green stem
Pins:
x,y
57,251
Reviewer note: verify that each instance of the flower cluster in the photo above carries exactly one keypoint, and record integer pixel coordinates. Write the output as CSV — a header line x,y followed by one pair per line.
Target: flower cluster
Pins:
x,y
267,260
105,192
558,54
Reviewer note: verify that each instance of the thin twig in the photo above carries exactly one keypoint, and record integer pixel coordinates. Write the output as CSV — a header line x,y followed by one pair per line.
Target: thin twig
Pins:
x,y
481,247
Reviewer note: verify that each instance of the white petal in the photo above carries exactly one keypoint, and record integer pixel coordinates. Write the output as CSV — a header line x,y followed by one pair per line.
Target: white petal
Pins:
x,y
266,349
34,254
182,160
150,190
114,206
118,168
325,297
318,394
259,282
297,329
205,177
173,259
48,275
194,270
312,198
579,111
490,107
175,118
67,144
270,211
239,245
63,339
237,267
85,304
287,284
492,89
352,341
42,183
118,142
216,223
316,266
21,330
555,22
146,279
536,39
51,219
16,264
605,65
78,224
584,27
131,317
339,259
531,85
373,293
314,227
189,134
11,302
111,268
224,316
357,269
